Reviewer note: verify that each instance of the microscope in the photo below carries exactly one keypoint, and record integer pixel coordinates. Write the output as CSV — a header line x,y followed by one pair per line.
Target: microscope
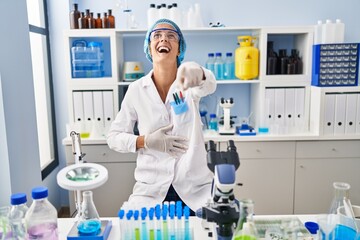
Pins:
x,y
227,127
222,209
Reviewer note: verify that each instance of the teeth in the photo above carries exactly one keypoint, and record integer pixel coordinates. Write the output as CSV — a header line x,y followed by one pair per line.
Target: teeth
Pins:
x,y
163,49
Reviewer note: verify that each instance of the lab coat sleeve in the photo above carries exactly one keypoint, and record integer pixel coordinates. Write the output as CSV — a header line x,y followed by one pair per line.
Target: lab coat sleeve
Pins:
x,y
207,87
121,135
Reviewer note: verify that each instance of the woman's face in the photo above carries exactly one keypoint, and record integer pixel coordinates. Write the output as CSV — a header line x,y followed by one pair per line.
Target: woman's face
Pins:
x,y
164,44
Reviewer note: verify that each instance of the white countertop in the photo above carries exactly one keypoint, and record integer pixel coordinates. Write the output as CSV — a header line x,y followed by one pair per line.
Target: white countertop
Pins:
x,y
65,224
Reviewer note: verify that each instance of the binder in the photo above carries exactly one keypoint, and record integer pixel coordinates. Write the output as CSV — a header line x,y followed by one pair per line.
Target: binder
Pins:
x,y
289,107
78,107
279,106
98,108
300,108
108,108
340,108
358,114
329,114
88,106
350,117
270,105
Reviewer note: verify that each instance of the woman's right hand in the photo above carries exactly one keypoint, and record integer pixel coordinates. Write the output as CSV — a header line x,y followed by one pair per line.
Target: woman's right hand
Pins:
x,y
160,141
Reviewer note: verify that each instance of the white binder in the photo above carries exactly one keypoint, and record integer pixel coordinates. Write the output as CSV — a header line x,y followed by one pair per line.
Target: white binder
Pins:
x,y
358,114
290,107
98,108
329,114
340,108
108,108
300,107
270,105
280,106
350,118
78,107
88,106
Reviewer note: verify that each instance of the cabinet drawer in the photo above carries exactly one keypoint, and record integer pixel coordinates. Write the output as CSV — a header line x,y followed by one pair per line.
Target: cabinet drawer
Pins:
x,y
264,149
100,154
328,149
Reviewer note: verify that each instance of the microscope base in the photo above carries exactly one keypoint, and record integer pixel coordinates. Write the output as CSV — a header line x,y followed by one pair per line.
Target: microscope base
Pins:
x,y
223,131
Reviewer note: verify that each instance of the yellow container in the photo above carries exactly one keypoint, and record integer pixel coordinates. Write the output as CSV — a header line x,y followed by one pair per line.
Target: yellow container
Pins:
x,y
246,59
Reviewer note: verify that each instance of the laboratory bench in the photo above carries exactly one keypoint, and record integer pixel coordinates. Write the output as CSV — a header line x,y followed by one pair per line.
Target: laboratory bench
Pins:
x,y
65,224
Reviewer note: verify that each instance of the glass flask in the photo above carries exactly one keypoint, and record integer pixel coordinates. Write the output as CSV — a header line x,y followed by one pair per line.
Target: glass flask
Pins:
x,y
89,221
246,229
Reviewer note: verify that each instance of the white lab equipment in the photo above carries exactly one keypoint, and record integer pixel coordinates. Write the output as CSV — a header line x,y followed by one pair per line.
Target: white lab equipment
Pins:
x,y
226,127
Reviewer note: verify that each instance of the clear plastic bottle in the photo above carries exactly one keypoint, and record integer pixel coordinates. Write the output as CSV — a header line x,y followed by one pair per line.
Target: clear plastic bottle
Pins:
x,y
210,62
89,221
18,202
229,67
17,216
151,15
213,123
41,218
219,66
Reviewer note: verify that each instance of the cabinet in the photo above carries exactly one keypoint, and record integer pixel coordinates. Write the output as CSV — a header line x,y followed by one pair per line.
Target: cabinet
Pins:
x,y
109,197
267,174
318,165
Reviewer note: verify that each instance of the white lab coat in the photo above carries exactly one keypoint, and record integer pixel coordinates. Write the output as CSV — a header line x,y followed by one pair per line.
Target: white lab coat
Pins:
x,y
155,170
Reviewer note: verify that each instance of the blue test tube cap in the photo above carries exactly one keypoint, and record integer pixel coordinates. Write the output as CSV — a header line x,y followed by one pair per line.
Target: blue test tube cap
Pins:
x,y
172,211
136,214
179,212
157,212
121,213
186,212
151,213
129,214
164,212
143,213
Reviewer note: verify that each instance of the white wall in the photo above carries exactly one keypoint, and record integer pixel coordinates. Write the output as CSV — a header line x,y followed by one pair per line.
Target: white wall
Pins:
x,y
19,107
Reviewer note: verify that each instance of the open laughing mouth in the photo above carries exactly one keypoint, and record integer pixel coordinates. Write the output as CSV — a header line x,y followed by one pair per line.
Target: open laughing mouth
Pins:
x,y
163,49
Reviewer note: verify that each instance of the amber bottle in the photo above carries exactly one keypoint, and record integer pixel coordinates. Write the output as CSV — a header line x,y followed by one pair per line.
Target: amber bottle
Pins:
x,y
91,20
82,20
105,21
74,17
111,19
98,21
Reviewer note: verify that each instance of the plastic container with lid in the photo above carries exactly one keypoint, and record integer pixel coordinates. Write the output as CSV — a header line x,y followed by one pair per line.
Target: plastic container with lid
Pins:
x,y
41,218
213,123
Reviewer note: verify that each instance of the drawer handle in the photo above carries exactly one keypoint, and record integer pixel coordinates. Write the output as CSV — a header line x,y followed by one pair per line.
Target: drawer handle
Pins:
x,y
258,151
333,149
302,166
104,154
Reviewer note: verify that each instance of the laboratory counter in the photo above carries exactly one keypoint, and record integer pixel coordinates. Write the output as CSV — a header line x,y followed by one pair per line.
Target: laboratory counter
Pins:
x,y
65,224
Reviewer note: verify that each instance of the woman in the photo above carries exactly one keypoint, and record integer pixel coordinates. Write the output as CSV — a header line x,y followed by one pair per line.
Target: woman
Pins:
x,y
171,162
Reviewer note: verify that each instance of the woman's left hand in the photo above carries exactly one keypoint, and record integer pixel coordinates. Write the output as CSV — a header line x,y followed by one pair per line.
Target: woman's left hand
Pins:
x,y
190,74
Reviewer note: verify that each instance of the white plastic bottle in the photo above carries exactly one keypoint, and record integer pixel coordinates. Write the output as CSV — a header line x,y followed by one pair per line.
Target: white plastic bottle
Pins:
x,y
163,11
151,15
318,33
328,32
229,67
175,15
339,31
197,16
219,66
41,218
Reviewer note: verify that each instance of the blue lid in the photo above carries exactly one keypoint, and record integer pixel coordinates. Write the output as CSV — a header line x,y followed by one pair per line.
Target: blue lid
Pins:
x,y
312,227
94,44
39,192
136,214
212,115
210,54
218,54
18,198
121,213
229,54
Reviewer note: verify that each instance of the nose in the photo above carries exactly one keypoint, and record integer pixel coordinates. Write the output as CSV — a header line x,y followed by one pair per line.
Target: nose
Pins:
x,y
164,37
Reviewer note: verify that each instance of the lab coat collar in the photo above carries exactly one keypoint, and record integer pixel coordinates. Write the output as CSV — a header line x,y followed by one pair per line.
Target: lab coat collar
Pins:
x,y
148,80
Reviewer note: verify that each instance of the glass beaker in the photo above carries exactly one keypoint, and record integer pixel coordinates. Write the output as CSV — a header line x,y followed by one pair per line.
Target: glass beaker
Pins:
x,y
89,221
341,198
246,229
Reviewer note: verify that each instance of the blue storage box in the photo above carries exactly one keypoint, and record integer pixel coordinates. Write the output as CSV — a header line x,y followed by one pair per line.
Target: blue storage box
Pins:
x,y
335,65
87,59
